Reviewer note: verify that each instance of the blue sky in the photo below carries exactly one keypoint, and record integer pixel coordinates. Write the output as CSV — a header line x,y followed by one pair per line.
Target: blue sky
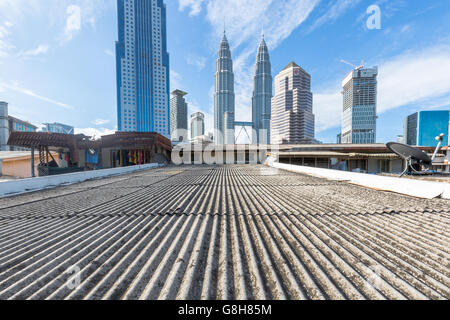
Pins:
x,y
57,56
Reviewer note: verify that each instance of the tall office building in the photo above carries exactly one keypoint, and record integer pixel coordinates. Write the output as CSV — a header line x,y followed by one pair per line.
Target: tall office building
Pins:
x,y
142,67
421,128
292,107
18,125
262,96
359,119
9,124
178,115
224,98
197,125
4,126
58,128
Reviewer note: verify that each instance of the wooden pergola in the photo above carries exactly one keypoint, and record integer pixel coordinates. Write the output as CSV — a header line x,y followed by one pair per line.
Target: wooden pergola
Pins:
x,y
45,141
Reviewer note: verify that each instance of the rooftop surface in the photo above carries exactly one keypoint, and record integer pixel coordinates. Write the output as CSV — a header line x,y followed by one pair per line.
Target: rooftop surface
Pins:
x,y
223,232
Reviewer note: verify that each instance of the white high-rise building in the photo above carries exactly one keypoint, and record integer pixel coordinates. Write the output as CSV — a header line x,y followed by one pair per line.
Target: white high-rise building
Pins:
x,y
359,116
292,119
197,125
142,67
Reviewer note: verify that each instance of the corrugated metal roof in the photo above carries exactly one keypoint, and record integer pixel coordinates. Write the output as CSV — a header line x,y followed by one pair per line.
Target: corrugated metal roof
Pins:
x,y
223,232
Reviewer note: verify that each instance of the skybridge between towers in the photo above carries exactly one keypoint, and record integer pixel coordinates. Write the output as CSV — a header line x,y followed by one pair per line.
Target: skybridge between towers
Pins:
x,y
247,127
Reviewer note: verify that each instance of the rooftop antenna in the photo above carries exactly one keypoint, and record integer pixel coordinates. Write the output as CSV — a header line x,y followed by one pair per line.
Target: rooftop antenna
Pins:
x,y
439,139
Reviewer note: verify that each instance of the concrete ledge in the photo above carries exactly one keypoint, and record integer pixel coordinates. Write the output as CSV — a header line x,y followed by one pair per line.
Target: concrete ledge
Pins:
x,y
33,184
410,187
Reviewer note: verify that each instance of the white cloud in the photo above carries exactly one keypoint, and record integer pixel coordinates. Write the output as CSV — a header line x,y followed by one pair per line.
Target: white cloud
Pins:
x,y
93,132
328,109
334,11
412,78
194,5
109,52
41,49
99,122
5,44
66,17
198,62
405,28
175,80
30,93
244,21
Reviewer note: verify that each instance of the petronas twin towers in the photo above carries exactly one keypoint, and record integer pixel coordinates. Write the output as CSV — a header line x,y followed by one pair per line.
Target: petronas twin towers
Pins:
x,y
262,96
224,97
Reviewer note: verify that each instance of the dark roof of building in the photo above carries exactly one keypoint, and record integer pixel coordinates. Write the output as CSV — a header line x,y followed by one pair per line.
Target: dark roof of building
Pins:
x,y
223,232
179,93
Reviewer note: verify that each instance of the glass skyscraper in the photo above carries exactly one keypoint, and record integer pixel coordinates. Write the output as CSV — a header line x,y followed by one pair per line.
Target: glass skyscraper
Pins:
x,y
178,116
224,98
359,116
143,88
421,128
262,96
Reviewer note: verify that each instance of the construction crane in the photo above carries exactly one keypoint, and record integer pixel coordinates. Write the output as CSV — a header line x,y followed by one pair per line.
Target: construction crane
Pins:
x,y
354,66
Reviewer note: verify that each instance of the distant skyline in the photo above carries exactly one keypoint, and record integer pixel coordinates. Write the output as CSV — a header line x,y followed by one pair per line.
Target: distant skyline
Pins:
x,y
57,60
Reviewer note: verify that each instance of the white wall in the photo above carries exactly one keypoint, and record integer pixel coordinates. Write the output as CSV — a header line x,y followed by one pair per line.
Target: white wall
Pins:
x,y
411,187
34,184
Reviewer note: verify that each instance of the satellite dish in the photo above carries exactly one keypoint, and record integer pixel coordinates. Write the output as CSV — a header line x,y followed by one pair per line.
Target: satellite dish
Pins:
x,y
414,158
406,152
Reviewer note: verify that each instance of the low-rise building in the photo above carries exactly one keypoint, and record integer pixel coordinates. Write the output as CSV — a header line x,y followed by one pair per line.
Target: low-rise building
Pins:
x,y
79,152
18,164
363,158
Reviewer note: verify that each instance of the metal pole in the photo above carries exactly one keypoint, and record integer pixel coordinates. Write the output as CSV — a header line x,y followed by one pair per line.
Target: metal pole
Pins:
x,y
33,174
